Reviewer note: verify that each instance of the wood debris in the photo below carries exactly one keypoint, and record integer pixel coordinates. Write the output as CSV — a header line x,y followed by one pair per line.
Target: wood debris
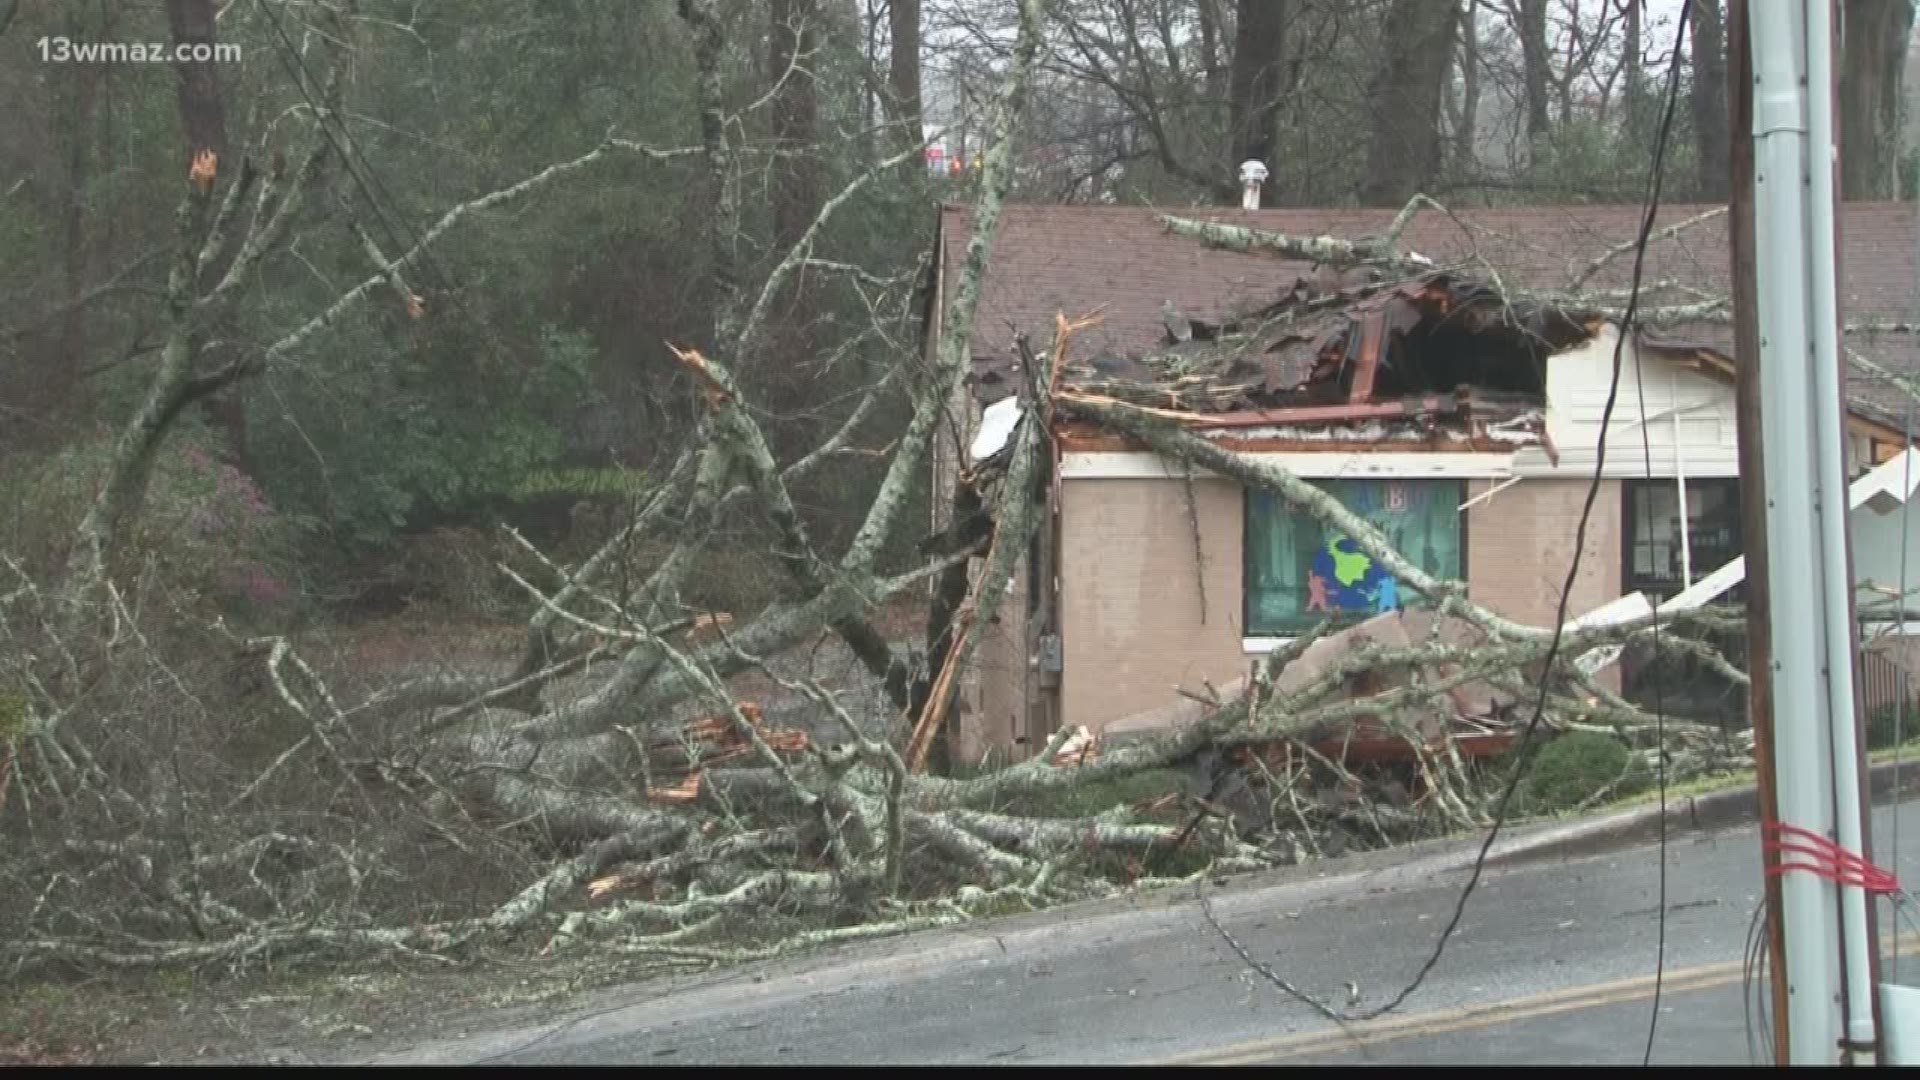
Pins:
x,y
1081,746
681,756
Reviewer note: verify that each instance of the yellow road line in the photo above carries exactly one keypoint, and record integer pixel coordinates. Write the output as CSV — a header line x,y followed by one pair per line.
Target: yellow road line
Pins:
x,y
1469,1017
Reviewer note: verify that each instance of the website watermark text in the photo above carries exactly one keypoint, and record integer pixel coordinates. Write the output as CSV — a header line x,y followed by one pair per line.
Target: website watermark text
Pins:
x,y
65,50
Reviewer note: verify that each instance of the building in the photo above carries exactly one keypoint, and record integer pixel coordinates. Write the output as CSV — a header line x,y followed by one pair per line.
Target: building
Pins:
x,y
1457,415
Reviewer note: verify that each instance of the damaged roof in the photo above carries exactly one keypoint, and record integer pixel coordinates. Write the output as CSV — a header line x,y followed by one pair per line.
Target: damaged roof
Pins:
x,y
1371,342
1147,284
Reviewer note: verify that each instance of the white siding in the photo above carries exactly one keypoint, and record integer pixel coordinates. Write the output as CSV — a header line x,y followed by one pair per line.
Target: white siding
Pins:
x,y
1877,540
1690,416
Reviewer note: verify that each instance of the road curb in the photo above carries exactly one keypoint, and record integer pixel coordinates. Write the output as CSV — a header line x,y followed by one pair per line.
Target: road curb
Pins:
x,y
1692,813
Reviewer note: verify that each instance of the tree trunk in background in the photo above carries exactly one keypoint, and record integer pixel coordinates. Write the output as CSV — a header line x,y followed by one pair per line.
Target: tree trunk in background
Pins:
x,y
903,69
1211,62
1875,47
203,127
1710,100
1631,52
723,276
55,393
1530,23
1253,82
1466,119
783,372
1632,79
793,54
1403,100
202,116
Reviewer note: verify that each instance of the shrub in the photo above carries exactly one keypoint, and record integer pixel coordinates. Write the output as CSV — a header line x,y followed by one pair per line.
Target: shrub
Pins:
x,y
1887,725
1569,770
206,525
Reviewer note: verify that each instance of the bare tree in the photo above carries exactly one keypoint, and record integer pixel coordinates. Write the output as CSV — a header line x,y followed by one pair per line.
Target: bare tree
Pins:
x,y
1875,38
1709,100
903,68
1631,69
652,805
1256,78
1463,112
793,53
1403,154
1530,23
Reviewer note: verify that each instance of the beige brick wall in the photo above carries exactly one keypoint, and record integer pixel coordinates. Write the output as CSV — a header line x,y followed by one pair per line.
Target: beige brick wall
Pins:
x,y
996,693
1520,541
1131,626
1130,614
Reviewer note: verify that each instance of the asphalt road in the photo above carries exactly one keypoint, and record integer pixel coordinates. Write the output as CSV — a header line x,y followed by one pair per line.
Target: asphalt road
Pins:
x,y
1551,964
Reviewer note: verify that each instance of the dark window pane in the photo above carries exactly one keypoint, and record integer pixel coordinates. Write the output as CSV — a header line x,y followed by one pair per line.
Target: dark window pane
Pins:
x,y
1656,561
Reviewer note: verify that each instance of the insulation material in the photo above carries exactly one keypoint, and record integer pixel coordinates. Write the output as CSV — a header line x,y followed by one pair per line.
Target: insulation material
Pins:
x,y
997,424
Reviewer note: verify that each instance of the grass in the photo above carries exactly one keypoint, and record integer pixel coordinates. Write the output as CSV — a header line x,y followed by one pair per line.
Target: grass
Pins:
x,y
1701,785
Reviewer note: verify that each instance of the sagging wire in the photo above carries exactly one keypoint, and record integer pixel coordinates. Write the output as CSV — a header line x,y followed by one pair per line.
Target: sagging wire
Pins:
x,y
1654,181
1525,743
1753,973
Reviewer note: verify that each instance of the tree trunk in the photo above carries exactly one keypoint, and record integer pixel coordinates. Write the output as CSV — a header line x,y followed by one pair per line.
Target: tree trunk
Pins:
x,y
1875,36
1530,22
56,390
903,69
1710,99
1403,101
1631,78
1253,81
1466,121
723,276
202,116
792,57
1210,44
203,127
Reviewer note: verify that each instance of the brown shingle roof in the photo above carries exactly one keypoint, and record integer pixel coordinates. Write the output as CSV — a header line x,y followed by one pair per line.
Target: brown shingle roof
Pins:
x,y
1118,259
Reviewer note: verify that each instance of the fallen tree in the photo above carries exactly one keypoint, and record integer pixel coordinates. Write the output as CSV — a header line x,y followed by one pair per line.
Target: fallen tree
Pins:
x,y
611,785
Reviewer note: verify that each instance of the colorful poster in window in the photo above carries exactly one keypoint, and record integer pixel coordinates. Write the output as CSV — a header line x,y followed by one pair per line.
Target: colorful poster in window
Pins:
x,y
1298,573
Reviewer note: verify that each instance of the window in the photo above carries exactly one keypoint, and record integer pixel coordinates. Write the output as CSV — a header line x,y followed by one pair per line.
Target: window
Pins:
x,y
1298,573
1656,563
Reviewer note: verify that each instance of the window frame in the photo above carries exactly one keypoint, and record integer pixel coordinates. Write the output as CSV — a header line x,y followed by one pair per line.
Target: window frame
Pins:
x,y
1630,518
1259,640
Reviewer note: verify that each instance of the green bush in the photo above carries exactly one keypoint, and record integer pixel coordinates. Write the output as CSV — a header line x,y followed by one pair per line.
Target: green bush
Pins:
x,y
1569,770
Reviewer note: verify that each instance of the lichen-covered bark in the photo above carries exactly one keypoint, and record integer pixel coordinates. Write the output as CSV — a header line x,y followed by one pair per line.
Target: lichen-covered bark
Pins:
x,y
908,465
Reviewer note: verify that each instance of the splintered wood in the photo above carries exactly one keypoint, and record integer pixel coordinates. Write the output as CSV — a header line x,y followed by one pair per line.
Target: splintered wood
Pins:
x,y
717,393
939,699
684,756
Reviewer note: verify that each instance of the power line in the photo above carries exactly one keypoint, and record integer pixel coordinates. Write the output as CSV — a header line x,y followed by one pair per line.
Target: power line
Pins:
x,y
1655,181
1650,212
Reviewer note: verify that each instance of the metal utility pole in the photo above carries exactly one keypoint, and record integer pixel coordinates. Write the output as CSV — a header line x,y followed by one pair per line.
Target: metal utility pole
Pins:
x,y
1801,452
1753,506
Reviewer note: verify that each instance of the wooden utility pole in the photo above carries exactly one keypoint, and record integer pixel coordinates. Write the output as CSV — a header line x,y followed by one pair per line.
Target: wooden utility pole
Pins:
x,y
1753,513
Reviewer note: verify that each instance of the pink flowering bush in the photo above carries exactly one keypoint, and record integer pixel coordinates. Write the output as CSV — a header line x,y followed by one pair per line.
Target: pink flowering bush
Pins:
x,y
207,529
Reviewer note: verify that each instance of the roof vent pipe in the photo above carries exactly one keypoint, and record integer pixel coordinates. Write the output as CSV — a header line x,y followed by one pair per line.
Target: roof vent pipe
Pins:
x,y
1252,173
